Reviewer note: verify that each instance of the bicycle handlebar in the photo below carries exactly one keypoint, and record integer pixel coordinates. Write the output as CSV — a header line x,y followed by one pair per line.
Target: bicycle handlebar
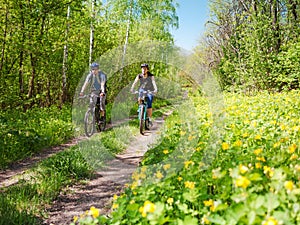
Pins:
x,y
143,92
87,96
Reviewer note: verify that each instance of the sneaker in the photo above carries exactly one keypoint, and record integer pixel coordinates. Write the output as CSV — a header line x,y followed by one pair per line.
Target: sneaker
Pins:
x,y
150,122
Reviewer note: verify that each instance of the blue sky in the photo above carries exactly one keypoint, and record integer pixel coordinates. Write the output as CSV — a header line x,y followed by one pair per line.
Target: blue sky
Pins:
x,y
192,17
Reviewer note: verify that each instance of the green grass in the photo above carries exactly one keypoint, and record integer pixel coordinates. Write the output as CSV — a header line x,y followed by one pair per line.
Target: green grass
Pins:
x,y
26,200
247,174
24,134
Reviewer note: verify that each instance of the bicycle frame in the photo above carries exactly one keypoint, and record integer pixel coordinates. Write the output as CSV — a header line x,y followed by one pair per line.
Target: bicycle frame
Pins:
x,y
144,106
91,119
142,112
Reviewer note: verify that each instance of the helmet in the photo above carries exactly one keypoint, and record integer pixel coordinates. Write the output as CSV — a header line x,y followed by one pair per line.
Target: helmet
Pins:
x,y
144,65
94,65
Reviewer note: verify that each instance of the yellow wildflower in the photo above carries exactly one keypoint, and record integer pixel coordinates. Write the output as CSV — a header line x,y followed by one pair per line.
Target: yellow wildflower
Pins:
x,y
268,171
115,206
115,197
292,148
187,163
135,176
296,128
191,138
261,159
258,151
204,220
144,169
289,185
277,144
294,156
243,169
170,201
134,185
94,212
245,135
148,207
167,166
270,221
75,219
242,181
159,175
182,133
258,165
246,121
282,127
210,202
238,143
297,168
257,137
179,178
225,146
189,184
166,151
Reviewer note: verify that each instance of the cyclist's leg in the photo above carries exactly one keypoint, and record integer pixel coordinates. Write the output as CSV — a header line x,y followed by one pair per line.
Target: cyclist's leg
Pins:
x,y
149,105
102,105
97,109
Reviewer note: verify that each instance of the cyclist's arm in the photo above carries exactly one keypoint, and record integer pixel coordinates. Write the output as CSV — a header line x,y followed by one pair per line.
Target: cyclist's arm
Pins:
x,y
87,80
134,83
154,84
102,84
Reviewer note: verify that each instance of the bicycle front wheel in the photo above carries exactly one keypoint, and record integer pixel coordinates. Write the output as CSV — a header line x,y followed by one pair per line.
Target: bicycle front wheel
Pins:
x,y
102,123
141,118
89,123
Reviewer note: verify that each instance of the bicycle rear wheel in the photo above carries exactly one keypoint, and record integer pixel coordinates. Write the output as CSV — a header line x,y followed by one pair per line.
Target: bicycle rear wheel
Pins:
x,y
141,118
89,123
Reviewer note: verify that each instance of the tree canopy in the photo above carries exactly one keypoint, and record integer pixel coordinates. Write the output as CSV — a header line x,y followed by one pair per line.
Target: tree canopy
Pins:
x,y
254,45
45,50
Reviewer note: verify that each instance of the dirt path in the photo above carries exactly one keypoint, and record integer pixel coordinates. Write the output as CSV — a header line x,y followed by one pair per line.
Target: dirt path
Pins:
x,y
99,191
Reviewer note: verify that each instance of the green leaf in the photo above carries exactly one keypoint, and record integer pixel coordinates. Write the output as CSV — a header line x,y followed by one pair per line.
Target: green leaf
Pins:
x,y
255,177
251,217
183,208
216,219
188,220
271,202
191,196
133,206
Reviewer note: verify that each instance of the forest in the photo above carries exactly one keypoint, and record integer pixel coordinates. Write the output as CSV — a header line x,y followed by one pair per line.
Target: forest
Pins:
x,y
228,153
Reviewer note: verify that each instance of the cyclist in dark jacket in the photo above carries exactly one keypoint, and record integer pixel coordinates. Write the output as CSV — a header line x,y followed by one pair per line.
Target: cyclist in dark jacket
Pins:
x,y
98,85
147,83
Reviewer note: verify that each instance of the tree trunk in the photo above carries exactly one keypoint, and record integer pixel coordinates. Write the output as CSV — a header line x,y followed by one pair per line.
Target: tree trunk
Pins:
x,y
92,33
65,60
126,40
33,75
293,8
274,9
4,41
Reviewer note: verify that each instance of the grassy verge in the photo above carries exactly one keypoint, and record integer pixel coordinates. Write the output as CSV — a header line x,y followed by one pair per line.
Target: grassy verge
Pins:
x,y
24,134
26,201
248,175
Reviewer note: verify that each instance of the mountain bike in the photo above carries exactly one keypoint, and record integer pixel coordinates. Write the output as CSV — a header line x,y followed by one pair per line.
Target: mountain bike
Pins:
x,y
92,120
144,121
